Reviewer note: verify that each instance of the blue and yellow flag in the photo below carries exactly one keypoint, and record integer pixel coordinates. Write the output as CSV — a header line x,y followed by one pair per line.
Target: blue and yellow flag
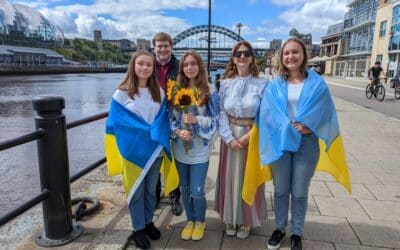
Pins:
x,y
132,145
273,133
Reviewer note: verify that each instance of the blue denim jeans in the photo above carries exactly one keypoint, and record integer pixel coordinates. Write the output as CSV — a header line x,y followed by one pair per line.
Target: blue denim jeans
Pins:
x,y
192,178
142,205
292,175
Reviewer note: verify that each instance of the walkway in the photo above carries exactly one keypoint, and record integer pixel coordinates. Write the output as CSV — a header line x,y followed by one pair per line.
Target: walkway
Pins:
x,y
367,219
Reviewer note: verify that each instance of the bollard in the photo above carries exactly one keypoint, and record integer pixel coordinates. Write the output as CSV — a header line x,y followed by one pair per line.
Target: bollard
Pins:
x,y
59,228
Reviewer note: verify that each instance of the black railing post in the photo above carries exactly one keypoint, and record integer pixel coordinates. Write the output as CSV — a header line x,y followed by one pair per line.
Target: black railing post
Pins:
x,y
59,228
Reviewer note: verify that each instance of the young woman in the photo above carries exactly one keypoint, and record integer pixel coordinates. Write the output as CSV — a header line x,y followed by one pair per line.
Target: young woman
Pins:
x,y
138,107
240,95
296,111
194,128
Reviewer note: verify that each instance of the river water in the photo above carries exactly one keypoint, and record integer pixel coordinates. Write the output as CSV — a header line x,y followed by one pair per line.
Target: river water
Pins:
x,y
85,95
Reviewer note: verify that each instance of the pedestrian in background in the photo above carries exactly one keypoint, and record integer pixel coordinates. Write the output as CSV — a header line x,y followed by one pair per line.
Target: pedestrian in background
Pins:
x,y
240,95
167,69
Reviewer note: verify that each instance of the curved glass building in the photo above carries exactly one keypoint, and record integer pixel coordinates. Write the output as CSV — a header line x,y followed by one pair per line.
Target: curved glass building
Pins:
x,y
24,26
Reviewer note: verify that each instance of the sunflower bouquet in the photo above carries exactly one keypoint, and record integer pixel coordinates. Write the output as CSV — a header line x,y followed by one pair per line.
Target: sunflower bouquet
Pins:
x,y
182,99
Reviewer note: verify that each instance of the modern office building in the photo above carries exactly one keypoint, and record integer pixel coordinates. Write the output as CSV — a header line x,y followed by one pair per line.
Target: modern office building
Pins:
x,y
143,44
275,44
23,26
382,34
331,47
394,41
358,32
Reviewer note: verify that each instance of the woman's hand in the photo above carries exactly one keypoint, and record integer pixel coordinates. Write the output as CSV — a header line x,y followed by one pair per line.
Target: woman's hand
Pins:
x,y
302,129
184,134
244,140
235,144
189,119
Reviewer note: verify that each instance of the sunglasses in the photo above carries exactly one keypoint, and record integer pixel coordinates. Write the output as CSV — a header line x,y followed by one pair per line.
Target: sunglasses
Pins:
x,y
246,53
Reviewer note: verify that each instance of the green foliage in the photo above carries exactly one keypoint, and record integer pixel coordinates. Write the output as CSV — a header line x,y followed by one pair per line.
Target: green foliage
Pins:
x,y
85,51
261,63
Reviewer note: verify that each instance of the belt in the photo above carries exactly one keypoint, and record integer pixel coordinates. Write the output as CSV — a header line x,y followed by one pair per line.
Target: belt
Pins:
x,y
240,121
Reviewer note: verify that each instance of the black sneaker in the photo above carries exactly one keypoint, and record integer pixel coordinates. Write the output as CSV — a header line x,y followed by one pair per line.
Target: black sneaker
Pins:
x,y
276,239
177,208
295,242
140,239
152,231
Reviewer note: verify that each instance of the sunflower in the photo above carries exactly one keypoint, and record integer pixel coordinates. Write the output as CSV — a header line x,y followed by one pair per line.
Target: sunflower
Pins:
x,y
185,97
170,87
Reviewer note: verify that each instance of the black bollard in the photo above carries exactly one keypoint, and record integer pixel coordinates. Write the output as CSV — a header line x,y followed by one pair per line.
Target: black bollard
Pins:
x,y
59,228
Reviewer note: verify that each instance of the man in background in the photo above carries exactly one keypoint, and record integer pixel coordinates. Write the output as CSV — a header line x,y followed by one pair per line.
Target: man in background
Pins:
x,y
167,68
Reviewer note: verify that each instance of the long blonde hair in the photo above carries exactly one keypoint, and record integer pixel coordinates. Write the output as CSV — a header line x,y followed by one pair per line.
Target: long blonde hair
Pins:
x,y
201,79
130,83
231,70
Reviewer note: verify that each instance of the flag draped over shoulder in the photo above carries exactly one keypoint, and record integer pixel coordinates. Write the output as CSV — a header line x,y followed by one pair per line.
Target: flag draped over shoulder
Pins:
x,y
132,145
273,134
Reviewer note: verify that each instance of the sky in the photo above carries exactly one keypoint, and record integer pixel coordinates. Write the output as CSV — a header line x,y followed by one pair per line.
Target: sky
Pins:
x,y
263,20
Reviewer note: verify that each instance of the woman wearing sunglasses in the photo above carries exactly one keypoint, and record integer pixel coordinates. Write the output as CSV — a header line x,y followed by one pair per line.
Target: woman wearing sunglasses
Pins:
x,y
240,94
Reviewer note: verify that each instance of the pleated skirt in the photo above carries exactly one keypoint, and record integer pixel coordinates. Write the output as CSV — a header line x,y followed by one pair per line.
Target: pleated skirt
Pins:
x,y
228,194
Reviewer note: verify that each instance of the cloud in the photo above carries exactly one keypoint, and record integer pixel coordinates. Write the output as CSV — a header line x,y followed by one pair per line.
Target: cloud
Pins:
x,y
269,28
289,2
315,16
117,19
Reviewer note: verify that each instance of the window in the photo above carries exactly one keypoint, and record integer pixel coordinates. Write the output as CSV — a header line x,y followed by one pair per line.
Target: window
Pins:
x,y
379,58
382,29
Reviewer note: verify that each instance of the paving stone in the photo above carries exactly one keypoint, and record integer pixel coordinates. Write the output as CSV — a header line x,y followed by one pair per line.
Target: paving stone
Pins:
x,y
388,179
341,246
382,210
251,242
358,191
385,192
319,188
322,176
377,233
315,245
364,177
211,241
341,207
328,229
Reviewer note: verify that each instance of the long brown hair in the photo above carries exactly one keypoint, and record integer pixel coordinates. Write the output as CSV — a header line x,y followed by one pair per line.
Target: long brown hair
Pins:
x,y
201,79
130,83
283,71
231,70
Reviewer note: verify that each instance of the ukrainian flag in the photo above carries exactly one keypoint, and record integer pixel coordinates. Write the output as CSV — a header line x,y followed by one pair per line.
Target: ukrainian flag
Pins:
x,y
132,145
273,133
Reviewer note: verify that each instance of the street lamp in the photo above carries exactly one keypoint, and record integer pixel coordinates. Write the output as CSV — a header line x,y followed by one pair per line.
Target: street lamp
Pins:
x,y
209,38
239,26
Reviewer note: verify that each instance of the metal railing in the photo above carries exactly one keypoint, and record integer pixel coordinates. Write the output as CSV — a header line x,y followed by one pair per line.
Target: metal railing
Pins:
x,y
51,136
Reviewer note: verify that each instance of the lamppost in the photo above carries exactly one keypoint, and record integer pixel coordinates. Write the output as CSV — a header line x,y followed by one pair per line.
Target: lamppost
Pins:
x,y
239,26
209,38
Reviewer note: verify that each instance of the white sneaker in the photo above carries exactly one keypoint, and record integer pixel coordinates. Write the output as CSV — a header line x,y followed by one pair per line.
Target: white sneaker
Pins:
x,y
230,230
243,232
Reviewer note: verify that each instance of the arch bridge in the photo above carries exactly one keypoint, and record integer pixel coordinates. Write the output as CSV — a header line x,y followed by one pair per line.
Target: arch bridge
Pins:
x,y
221,43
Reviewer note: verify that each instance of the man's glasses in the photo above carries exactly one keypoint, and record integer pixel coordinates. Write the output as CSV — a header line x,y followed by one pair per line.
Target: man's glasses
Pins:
x,y
239,53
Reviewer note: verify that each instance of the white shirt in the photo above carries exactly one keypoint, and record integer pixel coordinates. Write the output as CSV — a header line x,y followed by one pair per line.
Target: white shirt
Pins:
x,y
142,104
294,91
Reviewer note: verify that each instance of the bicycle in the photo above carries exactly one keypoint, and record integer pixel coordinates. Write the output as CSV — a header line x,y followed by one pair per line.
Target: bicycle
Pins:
x,y
377,90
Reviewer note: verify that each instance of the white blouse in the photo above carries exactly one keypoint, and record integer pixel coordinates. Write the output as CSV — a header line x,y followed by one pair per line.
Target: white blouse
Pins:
x,y
239,97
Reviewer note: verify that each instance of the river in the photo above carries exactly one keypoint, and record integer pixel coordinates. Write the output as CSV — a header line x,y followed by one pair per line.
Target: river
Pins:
x,y
85,95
